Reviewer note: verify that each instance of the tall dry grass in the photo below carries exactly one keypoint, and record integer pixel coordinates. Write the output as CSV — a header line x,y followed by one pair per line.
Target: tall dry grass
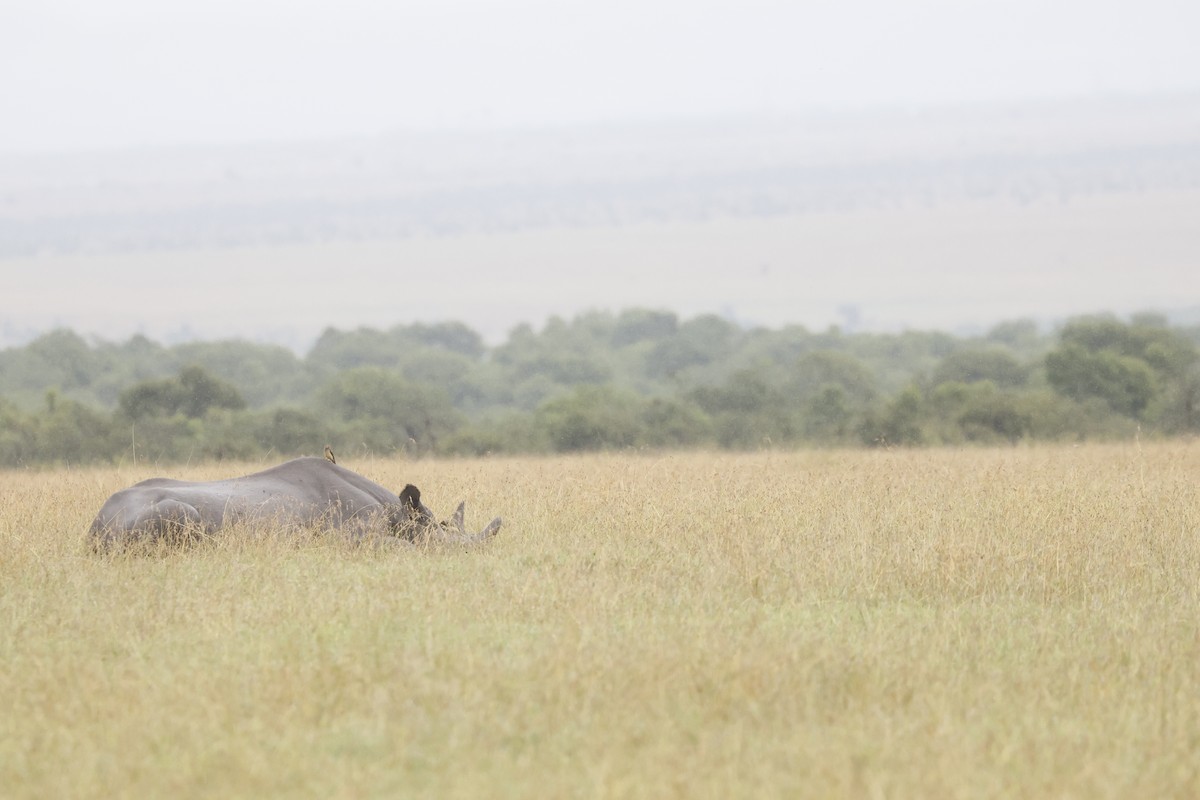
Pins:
x,y
1021,623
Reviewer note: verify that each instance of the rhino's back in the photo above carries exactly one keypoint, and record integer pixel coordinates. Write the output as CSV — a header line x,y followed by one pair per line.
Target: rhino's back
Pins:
x,y
303,491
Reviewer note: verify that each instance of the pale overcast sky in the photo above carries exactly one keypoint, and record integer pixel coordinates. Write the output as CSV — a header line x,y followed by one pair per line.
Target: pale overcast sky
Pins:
x,y
81,74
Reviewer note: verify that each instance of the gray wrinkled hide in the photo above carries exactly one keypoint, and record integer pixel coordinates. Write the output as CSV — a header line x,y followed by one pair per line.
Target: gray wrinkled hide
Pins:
x,y
308,493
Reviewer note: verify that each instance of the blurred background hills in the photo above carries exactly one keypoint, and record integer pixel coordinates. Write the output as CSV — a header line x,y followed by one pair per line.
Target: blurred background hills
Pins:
x,y
951,217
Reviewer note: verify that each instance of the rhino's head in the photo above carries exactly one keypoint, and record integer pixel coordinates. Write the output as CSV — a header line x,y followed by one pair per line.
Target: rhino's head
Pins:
x,y
418,523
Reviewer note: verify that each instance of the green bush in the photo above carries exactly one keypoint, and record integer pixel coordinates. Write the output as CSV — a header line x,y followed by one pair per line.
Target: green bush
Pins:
x,y
591,418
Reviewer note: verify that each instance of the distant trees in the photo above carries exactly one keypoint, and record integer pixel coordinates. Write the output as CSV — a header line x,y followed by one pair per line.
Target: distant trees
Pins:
x,y
748,410
261,373
18,441
638,379
375,409
974,365
591,418
1126,383
1142,369
192,393
602,417
71,431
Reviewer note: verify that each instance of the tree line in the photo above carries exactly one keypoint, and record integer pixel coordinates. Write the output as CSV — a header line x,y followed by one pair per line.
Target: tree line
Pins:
x,y
640,378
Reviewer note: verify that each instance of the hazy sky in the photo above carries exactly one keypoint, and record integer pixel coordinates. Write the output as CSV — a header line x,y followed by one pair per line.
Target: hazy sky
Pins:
x,y
84,74
89,74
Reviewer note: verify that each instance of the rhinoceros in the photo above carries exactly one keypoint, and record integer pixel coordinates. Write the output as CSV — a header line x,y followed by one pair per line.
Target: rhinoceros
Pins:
x,y
304,493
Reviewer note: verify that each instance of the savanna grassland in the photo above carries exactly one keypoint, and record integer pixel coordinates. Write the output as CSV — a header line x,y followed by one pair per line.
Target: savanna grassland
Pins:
x,y
1019,622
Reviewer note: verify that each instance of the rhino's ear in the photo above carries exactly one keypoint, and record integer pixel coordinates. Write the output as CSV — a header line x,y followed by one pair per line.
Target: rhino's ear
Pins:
x,y
411,496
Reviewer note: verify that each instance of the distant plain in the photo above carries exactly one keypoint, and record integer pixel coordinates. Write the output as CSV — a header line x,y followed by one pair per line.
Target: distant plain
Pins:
x,y
961,269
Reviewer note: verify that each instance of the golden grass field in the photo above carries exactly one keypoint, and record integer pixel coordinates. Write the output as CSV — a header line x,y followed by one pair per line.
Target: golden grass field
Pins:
x,y
935,623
